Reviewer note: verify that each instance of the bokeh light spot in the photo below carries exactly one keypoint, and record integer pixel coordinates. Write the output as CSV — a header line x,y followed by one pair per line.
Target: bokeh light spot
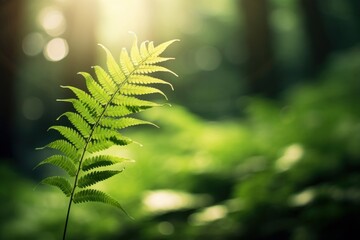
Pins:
x,y
208,58
209,214
292,154
166,228
33,108
33,44
53,21
56,49
302,198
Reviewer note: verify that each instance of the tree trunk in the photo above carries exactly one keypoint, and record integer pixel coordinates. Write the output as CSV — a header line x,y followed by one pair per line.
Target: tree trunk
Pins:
x,y
81,16
319,41
260,65
10,44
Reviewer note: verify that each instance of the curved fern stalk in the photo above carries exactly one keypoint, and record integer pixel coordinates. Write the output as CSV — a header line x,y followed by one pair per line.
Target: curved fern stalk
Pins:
x,y
108,105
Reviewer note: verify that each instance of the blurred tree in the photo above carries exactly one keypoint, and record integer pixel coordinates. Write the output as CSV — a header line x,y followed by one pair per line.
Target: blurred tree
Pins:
x,y
10,44
260,61
82,18
319,41
355,6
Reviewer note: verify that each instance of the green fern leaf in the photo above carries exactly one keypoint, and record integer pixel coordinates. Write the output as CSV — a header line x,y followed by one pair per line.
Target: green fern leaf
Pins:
x,y
82,109
120,111
115,71
101,133
60,182
71,135
64,147
95,177
101,161
162,47
105,80
95,89
144,79
62,162
106,142
123,122
92,195
130,89
88,100
126,63
135,52
143,50
123,100
146,69
78,122
100,145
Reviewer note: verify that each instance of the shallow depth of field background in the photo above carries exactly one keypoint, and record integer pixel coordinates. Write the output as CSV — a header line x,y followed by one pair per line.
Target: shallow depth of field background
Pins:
x,y
262,140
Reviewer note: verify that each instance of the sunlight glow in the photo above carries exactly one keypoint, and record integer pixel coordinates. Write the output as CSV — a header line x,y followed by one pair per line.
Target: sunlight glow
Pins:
x,y
117,18
53,21
56,49
33,44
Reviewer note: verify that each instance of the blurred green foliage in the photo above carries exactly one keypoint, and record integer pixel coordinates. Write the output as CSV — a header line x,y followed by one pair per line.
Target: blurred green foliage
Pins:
x,y
286,170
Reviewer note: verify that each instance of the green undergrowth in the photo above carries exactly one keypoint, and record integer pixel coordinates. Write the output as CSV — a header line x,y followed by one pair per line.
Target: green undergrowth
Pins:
x,y
288,170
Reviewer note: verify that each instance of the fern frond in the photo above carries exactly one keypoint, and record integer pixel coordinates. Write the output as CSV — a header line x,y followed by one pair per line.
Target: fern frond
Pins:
x,y
135,52
124,122
126,63
162,47
131,89
120,111
106,106
115,71
144,79
81,108
95,89
64,147
93,195
88,100
71,135
101,133
95,177
97,145
78,122
101,161
123,100
62,162
62,183
146,69
105,80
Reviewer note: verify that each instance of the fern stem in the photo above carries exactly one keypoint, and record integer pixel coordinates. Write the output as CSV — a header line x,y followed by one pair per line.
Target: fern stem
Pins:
x,y
75,182
67,218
